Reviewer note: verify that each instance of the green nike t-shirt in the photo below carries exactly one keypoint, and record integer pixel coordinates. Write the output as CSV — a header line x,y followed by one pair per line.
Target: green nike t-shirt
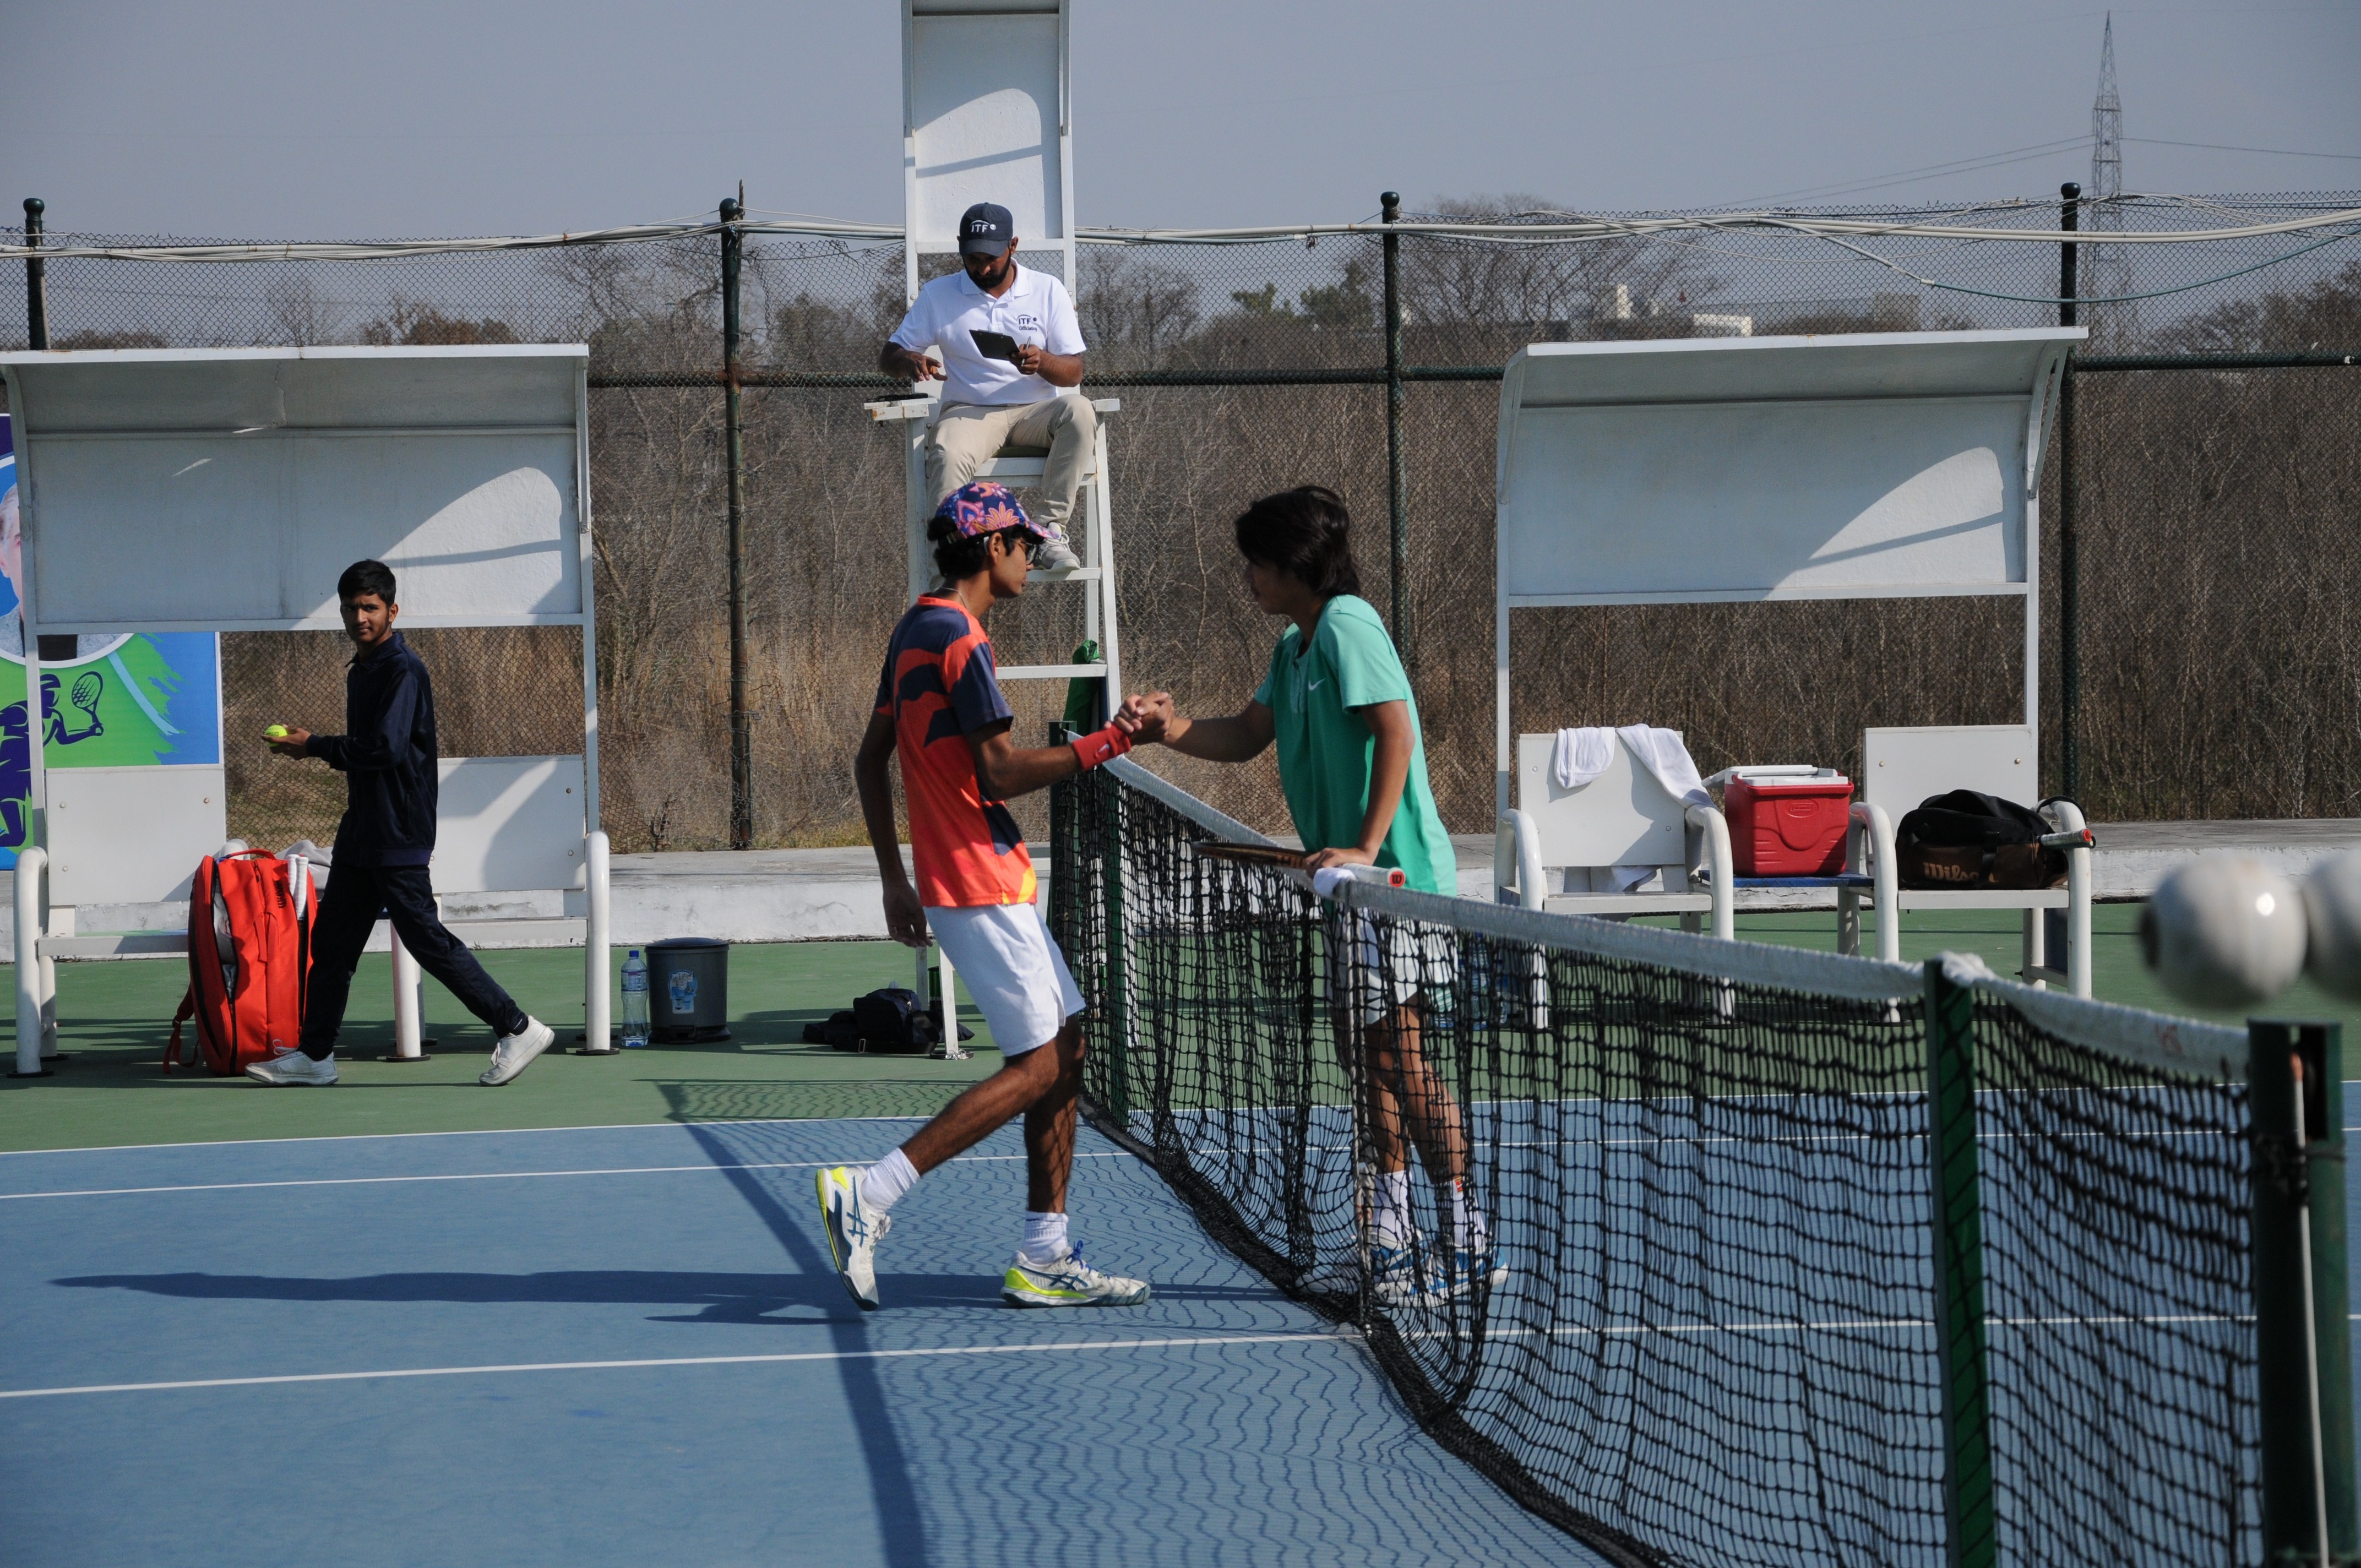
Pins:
x,y
1325,753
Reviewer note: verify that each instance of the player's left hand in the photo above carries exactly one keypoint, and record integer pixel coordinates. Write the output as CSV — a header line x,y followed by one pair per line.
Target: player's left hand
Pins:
x,y
1320,860
291,744
905,918
1028,359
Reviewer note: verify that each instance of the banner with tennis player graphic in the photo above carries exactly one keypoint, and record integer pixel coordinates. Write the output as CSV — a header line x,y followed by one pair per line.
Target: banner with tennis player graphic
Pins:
x,y
112,701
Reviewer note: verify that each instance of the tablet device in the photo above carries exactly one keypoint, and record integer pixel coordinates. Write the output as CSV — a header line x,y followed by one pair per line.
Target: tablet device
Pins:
x,y
996,346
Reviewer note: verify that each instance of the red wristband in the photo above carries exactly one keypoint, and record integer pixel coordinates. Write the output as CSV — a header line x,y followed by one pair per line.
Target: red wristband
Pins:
x,y
1100,746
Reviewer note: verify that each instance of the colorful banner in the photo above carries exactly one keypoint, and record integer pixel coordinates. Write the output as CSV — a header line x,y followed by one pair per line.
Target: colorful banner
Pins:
x,y
115,701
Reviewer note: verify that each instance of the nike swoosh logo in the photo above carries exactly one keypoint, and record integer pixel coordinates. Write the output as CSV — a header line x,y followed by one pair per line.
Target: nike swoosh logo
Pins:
x,y
1315,685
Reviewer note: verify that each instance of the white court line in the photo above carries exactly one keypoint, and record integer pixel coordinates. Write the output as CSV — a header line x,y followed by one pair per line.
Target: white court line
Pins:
x,y
1185,1341
509,1176
477,1132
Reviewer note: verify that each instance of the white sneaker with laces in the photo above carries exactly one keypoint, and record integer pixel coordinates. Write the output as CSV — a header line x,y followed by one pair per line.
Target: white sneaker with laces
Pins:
x,y
853,1232
1068,1281
515,1052
293,1069
1055,556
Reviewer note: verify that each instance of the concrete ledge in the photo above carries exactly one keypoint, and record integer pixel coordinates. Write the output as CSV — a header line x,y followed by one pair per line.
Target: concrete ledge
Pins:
x,y
804,895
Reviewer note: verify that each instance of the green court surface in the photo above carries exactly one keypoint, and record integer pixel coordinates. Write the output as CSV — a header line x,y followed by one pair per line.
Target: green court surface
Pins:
x,y
115,1018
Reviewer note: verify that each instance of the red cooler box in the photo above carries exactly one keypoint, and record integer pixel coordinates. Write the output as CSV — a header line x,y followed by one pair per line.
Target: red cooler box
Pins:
x,y
1790,827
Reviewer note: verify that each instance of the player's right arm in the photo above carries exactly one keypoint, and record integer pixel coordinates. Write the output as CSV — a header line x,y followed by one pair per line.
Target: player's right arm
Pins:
x,y
1238,739
905,920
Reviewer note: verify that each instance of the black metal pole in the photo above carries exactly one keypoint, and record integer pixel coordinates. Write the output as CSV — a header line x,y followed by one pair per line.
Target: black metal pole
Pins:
x,y
2070,549
741,736
1397,481
37,278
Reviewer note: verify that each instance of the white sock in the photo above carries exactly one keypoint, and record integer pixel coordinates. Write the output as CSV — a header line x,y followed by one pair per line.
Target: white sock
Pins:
x,y
883,1184
1468,1231
1045,1237
1392,1225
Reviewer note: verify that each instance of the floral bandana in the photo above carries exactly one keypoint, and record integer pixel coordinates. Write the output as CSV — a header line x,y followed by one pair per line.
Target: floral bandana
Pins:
x,y
983,507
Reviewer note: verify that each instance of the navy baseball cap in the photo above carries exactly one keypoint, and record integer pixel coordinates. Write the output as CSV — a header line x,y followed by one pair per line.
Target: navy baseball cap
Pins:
x,y
986,229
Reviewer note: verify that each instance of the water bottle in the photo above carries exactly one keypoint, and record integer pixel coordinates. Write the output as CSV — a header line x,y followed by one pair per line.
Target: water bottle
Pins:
x,y
635,999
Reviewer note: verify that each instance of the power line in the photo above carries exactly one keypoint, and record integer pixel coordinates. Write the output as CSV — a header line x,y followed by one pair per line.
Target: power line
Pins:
x,y
2224,147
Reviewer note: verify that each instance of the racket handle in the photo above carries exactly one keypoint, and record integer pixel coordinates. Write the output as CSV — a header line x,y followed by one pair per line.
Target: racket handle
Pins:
x,y
1327,879
2080,838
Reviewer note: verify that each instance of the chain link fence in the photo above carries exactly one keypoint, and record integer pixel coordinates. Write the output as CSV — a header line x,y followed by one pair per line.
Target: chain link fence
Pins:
x,y
2214,509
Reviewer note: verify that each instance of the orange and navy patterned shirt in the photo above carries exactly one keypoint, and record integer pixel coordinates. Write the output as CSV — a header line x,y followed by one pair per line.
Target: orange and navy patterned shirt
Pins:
x,y
940,687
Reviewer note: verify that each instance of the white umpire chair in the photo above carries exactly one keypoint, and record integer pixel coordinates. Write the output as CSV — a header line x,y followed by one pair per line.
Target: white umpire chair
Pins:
x,y
986,117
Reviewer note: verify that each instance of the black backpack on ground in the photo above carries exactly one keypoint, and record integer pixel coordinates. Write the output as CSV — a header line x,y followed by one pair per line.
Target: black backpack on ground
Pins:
x,y
1970,840
884,1023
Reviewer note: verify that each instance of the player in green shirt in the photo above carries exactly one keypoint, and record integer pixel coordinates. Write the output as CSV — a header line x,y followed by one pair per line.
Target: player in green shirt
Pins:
x,y
1353,767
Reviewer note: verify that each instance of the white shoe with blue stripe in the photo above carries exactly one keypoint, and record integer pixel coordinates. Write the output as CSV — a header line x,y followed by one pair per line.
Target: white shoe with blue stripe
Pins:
x,y
1068,1282
853,1232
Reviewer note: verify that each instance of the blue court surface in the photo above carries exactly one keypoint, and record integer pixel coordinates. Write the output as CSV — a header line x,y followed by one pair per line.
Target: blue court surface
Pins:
x,y
626,1346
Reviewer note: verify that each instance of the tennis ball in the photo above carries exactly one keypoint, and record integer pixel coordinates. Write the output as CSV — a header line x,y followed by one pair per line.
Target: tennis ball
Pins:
x,y
276,732
2223,931
2332,907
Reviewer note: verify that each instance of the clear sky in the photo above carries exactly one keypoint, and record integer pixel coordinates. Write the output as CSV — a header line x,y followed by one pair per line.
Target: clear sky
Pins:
x,y
291,118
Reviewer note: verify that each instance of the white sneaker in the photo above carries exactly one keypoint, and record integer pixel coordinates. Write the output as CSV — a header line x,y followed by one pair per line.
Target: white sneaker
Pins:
x,y
1396,1281
853,1232
292,1069
1068,1282
1055,556
515,1052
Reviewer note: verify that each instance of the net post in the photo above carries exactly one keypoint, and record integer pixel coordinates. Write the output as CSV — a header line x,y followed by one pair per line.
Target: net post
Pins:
x,y
1956,1209
2304,1350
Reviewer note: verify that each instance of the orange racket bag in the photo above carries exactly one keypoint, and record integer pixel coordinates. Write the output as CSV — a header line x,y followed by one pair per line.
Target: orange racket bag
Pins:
x,y
249,960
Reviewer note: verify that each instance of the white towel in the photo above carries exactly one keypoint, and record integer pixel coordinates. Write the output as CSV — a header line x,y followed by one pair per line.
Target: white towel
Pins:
x,y
1663,754
1583,752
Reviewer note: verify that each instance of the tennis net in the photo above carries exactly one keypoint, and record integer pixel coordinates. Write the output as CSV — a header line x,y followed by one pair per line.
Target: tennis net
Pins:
x,y
1768,1263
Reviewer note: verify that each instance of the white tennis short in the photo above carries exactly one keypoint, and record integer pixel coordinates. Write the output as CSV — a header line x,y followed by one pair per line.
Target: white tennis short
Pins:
x,y
1014,970
1370,975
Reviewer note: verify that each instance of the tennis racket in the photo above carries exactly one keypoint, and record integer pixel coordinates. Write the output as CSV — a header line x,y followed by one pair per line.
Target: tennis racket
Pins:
x,y
1250,854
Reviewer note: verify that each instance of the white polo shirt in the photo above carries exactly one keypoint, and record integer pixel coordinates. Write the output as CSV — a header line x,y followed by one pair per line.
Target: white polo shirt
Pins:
x,y
1036,309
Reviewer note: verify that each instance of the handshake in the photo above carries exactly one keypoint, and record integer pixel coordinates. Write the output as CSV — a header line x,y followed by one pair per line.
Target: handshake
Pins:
x,y
1147,718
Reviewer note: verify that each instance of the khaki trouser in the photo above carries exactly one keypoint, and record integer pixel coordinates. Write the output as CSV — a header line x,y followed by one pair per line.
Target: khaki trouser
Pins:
x,y
968,435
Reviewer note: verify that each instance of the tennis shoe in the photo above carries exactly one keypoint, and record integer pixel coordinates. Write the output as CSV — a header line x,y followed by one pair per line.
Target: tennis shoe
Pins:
x,y
515,1052
853,1232
1055,556
292,1069
1393,1274
1068,1281
1396,1280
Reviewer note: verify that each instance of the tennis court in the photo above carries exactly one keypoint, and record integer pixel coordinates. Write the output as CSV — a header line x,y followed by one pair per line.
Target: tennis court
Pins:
x,y
1722,1338
626,1346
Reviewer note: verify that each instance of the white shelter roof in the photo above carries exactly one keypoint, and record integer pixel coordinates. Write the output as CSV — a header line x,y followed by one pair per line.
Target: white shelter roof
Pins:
x,y
225,489
1870,466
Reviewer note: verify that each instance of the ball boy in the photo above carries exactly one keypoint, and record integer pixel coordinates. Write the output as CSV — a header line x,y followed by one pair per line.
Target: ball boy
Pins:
x,y
388,756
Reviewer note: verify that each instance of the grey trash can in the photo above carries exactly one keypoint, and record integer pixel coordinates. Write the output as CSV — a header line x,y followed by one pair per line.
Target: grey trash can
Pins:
x,y
688,990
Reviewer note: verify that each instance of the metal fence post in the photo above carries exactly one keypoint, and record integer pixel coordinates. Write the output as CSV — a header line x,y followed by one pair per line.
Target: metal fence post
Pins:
x,y
741,739
2070,551
2303,1342
1397,480
37,278
1958,1213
